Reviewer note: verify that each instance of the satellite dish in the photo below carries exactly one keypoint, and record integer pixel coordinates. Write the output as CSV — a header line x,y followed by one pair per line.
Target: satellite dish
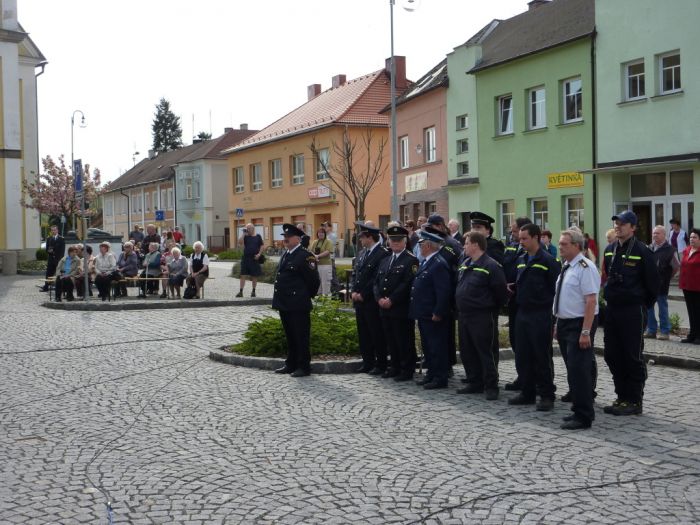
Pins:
x,y
410,5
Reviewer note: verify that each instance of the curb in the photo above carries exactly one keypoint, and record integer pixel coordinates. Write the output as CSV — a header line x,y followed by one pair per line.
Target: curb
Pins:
x,y
271,363
112,306
40,273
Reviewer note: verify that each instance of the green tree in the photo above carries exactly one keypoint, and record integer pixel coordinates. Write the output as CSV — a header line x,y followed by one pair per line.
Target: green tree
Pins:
x,y
167,132
203,135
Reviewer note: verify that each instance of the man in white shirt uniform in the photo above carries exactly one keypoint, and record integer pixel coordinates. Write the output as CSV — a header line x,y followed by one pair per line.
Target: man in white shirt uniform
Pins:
x,y
576,308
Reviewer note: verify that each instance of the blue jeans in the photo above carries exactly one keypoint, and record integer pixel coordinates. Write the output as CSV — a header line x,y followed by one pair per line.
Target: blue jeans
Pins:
x,y
662,301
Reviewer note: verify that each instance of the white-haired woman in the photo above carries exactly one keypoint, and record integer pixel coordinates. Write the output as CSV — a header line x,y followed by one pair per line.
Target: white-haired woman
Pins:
x,y
151,265
199,267
105,269
177,272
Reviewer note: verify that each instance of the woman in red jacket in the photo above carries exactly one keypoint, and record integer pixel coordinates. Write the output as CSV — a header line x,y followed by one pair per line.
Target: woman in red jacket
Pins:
x,y
690,284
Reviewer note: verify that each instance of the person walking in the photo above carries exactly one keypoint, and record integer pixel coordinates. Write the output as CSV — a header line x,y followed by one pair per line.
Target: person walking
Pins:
x,y
250,267
689,282
678,238
55,247
575,309
322,249
667,265
631,287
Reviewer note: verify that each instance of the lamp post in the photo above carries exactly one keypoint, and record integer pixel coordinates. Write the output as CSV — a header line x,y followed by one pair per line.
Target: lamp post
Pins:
x,y
86,282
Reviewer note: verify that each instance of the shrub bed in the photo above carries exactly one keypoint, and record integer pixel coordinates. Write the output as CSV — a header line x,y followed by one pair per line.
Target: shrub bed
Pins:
x,y
32,266
269,269
230,255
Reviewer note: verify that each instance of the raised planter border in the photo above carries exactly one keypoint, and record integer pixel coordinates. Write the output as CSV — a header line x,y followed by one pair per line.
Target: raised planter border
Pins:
x,y
272,363
96,305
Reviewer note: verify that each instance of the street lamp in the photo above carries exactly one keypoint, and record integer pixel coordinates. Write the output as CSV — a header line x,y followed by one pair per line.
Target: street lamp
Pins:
x,y
408,5
83,124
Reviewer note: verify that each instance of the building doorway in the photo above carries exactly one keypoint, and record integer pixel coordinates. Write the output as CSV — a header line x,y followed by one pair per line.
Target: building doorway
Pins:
x,y
644,223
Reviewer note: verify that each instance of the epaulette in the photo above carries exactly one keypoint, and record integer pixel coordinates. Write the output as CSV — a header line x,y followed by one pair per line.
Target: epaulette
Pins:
x,y
449,248
583,263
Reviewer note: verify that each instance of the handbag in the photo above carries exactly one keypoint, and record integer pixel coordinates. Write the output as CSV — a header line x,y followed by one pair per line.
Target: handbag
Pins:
x,y
190,292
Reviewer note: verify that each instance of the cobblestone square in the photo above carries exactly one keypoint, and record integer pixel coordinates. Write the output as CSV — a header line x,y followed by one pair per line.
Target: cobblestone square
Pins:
x,y
127,407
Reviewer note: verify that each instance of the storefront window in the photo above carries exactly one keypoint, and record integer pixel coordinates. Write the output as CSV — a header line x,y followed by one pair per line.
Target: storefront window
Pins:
x,y
574,211
648,184
682,182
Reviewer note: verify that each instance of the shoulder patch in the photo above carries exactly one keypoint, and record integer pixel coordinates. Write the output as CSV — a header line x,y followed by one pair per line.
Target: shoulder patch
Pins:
x,y
414,268
583,263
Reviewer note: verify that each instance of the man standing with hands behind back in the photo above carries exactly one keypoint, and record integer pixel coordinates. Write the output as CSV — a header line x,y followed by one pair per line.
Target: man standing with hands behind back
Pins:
x,y
55,246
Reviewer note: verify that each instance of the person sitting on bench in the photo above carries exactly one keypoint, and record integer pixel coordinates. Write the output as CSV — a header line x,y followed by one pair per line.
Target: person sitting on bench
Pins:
x,y
151,265
199,267
177,272
67,269
127,264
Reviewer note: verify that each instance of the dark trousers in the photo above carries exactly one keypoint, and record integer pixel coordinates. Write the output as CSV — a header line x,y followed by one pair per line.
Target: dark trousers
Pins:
x,y
297,328
581,368
476,348
103,282
495,344
692,303
433,337
533,339
624,350
403,355
64,284
451,339
512,316
51,266
150,286
370,334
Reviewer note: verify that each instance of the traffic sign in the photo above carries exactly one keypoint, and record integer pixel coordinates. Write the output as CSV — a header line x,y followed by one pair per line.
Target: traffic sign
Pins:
x,y
160,215
239,212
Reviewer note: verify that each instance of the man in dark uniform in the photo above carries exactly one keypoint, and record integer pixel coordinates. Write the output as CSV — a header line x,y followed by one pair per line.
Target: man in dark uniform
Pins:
x,y
296,283
630,289
392,290
431,303
369,324
512,253
481,291
536,286
482,224
55,246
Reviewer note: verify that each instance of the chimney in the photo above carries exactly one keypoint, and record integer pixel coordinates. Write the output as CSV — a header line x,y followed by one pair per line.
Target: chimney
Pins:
x,y
313,91
338,81
400,65
534,4
244,126
228,130
152,154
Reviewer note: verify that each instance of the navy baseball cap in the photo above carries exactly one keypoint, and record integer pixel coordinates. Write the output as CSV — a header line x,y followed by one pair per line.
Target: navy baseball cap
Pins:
x,y
436,219
626,217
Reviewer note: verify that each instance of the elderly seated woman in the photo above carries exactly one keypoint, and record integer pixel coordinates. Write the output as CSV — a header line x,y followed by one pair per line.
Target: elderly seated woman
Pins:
x,y
105,270
66,271
127,264
151,265
199,267
177,272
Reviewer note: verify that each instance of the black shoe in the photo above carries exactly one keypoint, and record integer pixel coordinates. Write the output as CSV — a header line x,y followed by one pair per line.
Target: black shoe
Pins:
x,y
520,399
44,289
390,372
545,404
471,388
512,387
575,424
609,409
252,294
491,394
104,298
566,398
377,371
240,294
164,295
569,417
464,380
627,408
450,372
70,298
403,377
300,373
435,385
688,340
363,369
58,299
424,381
284,370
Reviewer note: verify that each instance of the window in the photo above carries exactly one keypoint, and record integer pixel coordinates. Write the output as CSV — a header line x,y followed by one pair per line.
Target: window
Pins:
x,y
155,200
430,208
506,212
195,189
505,115
670,73
109,208
462,146
147,196
573,104
163,199
188,189
298,169
170,199
462,169
430,147
574,211
255,177
681,182
322,164
403,152
238,182
462,122
540,213
276,173
536,100
648,184
634,80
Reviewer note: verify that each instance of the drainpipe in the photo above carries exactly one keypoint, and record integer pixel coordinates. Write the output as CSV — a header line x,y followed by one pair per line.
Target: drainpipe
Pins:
x,y
594,136
128,213
174,200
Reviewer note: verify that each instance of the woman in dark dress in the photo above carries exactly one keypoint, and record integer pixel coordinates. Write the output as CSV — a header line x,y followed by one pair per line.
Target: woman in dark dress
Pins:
x,y
252,249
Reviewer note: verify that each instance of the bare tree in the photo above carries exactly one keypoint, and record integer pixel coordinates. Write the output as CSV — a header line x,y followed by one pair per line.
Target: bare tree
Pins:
x,y
355,167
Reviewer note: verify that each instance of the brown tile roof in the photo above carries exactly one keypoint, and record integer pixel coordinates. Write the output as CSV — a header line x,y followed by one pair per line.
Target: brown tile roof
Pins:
x,y
219,144
549,25
358,101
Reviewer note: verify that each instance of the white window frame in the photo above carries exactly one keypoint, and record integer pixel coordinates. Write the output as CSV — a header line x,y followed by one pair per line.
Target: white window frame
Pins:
x,y
297,169
323,158
502,110
578,100
154,200
403,152
238,180
147,198
188,189
638,78
462,146
276,173
506,217
462,122
672,69
163,199
463,169
170,199
543,214
430,145
109,207
580,212
537,108
256,183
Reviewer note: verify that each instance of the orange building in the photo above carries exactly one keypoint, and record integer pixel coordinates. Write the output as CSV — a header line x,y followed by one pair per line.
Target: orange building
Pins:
x,y
275,178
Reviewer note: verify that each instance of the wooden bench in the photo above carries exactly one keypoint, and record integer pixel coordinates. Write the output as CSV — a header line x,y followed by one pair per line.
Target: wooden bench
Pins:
x,y
136,281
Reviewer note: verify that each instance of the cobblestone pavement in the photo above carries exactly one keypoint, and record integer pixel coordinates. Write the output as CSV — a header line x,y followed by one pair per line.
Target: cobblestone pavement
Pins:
x,y
125,406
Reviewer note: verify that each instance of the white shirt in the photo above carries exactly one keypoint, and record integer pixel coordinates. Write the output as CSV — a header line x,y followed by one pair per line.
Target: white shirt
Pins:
x,y
581,279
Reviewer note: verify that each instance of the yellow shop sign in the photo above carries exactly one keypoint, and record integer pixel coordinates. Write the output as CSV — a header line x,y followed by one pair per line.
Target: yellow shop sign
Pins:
x,y
567,179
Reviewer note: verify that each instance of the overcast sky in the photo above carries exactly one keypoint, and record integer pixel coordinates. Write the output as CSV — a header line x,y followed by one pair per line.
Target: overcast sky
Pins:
x,y
238,61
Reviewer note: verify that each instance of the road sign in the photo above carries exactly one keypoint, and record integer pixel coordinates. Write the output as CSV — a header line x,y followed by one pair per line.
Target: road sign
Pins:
x,y
160,215
78,175
239,212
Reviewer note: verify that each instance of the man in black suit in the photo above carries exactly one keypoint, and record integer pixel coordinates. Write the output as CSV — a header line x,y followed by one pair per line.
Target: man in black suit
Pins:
x,y
296,283
55,246
392,291
369,324
453,227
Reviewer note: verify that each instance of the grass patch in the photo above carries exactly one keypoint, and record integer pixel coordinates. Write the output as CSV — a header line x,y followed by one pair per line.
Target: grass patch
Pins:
x,y
33,266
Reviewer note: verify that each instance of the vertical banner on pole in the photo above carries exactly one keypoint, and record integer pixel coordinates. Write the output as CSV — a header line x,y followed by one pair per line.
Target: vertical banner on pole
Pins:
x,y
78,175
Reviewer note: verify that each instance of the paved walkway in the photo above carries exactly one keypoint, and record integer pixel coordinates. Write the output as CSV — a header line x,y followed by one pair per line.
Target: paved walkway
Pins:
x,y
126,407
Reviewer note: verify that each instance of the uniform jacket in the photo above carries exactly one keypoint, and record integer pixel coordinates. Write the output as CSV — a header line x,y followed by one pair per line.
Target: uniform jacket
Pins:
x,y
481,284
495,249
690,271
395,283
56,247
536,282
366,273
296,282
510,261
664,256
632,274
432,290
